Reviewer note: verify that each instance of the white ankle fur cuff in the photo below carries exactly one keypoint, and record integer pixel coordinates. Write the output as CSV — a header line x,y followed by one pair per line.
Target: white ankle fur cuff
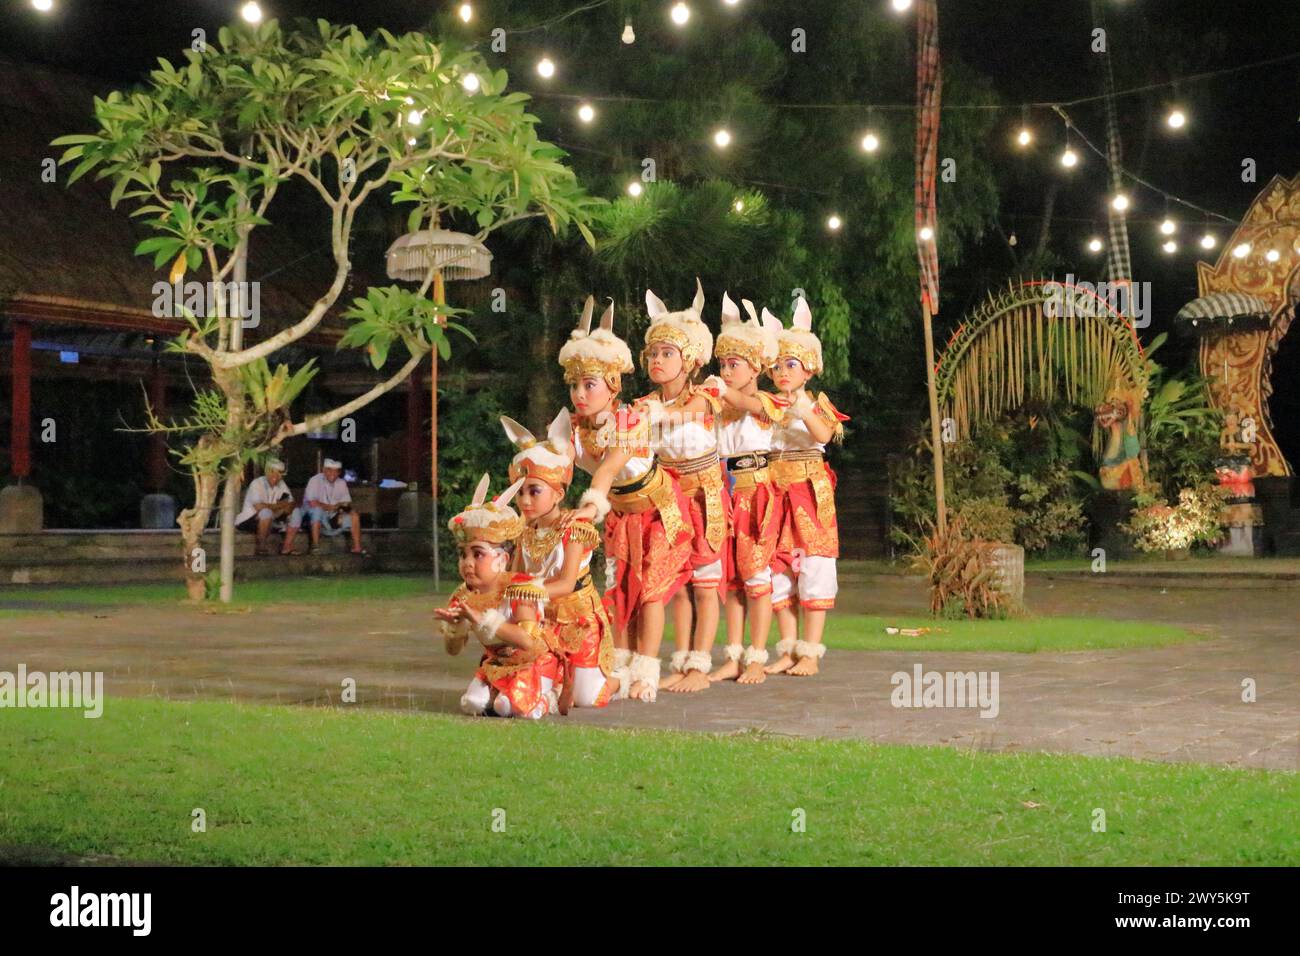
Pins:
x,y
598,500
785,646
678,663
622,658
808,649
732,652
624,677
646,669
755,655
699,661
491,623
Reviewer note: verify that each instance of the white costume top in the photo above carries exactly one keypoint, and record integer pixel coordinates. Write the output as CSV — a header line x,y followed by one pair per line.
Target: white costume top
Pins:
x,y
642,459
327,492
261,493
686,435
745,434
551,562
791,434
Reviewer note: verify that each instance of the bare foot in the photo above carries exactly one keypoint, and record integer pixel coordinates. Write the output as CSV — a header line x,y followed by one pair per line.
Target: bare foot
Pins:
x,y
783,664
754,674
671,681
728,671
641,691
805,667
692,683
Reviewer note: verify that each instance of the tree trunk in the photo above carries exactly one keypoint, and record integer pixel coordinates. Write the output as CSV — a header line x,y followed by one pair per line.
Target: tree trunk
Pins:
x,y
193,521
541,398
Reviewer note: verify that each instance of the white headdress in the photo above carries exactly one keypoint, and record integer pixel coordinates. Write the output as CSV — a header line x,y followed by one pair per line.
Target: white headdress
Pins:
x,y
599,354
493,522
754,341
799,342
550,461
684,329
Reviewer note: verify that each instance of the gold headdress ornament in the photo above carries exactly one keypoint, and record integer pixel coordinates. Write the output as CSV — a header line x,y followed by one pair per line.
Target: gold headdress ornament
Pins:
x,y
684,329
753,340
799,342
493,522
550,461
600,354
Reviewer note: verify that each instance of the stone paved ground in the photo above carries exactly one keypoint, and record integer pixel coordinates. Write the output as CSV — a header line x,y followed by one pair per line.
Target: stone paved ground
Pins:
x,y
1179,703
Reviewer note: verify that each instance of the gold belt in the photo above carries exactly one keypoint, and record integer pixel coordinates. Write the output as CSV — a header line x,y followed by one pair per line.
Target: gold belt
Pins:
x,y
751,478
812,469
651,491
704,473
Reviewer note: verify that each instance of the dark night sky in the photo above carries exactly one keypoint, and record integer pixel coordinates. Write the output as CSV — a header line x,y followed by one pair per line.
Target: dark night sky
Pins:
x,y
1031,50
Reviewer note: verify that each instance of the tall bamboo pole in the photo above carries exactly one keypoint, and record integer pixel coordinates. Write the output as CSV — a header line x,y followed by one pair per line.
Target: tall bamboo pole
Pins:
x,y
439,298
935,431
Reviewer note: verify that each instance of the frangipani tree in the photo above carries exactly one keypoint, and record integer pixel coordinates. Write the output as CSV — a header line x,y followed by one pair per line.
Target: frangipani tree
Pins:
x,y
203,149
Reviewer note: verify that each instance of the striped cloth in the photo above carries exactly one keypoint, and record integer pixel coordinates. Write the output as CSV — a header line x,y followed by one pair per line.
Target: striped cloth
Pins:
x,y
929,84
1225,305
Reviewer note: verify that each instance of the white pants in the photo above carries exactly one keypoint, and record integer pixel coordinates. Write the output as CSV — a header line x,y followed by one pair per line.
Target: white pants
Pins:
x,y
818,584
477,696
588,682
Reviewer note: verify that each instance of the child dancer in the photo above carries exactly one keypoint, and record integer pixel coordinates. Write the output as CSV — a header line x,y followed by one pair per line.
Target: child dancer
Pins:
x,y
556,554
804,577
677,345
647,536
744,352
517,675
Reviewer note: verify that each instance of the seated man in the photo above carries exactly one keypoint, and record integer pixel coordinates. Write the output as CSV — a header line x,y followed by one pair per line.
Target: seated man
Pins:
x,y
329,506
268,502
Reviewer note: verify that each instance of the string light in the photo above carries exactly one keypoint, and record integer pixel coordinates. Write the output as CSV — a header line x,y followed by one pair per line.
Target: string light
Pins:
x,y
731,3
902,6
1094,244
466,12
1176,119
1241,250
870,142
251,12
1120,202
1170,247
1168,227
1208,241
926,233
834,223
1024,137
629,35
586,112
44,6
634,189
471,82
738,205
722,139
546,68
680,14
1069,158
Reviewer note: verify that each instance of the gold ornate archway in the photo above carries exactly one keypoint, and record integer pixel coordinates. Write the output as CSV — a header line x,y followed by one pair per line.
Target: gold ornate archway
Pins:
x,y
1239,362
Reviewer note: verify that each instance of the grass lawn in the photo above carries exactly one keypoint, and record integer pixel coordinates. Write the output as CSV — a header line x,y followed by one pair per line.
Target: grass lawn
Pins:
x,y
865,632
284,785
306,589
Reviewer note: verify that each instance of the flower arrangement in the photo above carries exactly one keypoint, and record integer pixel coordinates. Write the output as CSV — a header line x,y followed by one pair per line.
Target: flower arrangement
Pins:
x,y
1196,519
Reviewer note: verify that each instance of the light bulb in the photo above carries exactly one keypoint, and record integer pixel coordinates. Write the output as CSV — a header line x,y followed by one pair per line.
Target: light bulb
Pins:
x,y
546,68
902,6
466,12
44,6
870,143
1069,158
722,139
731,3
1208,241
251,12
634,189
1120,202
1024,137
586,112
1168,226
738,205
1170,247
681,13
1241,251
1272,255
1176,119
471,82
833,223
629,35
1094,244
926,233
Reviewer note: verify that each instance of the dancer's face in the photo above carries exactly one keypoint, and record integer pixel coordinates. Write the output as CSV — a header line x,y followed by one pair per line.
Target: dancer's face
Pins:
x,y
590,396
789,375
663,363
736,372
481,564
536,498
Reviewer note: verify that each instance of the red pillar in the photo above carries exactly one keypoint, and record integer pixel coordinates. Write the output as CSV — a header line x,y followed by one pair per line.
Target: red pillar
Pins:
x,y
414,431
156,477
21,437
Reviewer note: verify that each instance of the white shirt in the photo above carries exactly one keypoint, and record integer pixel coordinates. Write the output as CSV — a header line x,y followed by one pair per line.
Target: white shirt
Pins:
x,y
793,435
261,493
745,435
327,492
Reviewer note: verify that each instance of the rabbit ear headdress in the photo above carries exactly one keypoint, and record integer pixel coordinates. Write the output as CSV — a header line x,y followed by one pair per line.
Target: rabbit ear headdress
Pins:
x,y
599,354
551,460
799,342
752,340
685,329
493,522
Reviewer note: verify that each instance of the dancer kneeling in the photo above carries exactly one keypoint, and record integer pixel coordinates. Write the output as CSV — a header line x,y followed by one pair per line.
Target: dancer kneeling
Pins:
x,y
518,672
804,575
555,551
647,539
